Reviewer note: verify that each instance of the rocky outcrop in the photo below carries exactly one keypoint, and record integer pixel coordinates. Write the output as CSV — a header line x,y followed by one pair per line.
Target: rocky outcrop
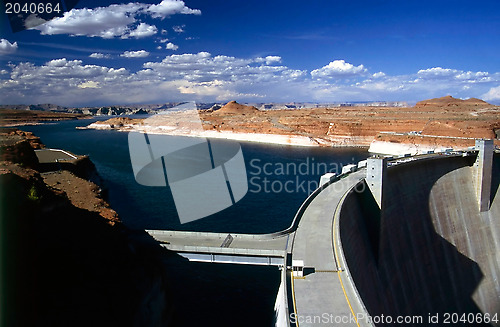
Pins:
x,y
449,101
234,107
442,122
17,147
66,257
16,117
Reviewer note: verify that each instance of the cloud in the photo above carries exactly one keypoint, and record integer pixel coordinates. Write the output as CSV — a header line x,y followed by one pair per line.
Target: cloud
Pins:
x,y
89,85
203,67
59,70
142,30
106,22
492,95
269,60
60,81
436,73
205,77
378,75
338,68
116,20
171,46
179,29
97,55
171,7
135,54
6,47
439,73
33,20
200,76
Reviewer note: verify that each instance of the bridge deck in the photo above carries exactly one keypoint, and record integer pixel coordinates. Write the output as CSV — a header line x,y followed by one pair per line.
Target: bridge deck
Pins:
x,y
319,294
222,243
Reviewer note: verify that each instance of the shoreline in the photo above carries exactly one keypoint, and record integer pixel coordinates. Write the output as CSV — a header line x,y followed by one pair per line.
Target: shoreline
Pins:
x,y
278,139
383,147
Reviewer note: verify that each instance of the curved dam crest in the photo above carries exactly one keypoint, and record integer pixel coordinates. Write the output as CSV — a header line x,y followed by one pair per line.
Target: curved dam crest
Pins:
x,y
429,250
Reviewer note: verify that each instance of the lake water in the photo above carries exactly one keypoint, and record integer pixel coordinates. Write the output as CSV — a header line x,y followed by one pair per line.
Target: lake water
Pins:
x,y
279,179
207,294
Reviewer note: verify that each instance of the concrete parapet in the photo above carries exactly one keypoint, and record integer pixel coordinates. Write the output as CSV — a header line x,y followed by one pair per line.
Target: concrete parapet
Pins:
x,y
349,168
482,173
326,178
375,176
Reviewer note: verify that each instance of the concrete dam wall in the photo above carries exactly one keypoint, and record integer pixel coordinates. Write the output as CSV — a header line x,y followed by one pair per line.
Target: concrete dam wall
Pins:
x,y
429,250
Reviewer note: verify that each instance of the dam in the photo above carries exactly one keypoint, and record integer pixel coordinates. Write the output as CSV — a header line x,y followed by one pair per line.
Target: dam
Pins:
x,y
409,240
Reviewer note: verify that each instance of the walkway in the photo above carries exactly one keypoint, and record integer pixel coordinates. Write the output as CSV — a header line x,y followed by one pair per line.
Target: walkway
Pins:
x,y
319,295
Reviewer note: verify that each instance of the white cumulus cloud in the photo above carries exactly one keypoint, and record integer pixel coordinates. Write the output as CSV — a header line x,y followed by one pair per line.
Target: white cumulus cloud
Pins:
x,y
171,7
106,22
142,30
6,47
116,20
203,67
378,75
269,60
453,75
338,68
135,54
437,72
171,46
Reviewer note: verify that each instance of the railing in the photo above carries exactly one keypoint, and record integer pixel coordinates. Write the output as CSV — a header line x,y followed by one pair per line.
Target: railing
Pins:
x,y
229,251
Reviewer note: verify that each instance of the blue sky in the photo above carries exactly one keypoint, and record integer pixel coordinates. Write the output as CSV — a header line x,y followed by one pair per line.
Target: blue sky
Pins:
x,y
104,52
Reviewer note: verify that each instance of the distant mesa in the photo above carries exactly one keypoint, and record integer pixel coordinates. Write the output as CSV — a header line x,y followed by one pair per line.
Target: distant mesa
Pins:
x,y
449,101
234,107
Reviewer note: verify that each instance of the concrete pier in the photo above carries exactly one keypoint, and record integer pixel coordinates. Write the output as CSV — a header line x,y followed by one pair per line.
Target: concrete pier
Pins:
x,y
375,176
482,173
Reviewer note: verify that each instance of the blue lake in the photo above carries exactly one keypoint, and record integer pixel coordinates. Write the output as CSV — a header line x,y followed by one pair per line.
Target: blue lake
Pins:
x,y
279,179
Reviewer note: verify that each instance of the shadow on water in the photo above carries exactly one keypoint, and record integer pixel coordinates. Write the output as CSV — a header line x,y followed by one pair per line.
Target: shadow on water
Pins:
x,y
415,270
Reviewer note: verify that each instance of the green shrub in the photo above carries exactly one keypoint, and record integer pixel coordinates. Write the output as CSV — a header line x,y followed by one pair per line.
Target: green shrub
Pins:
x,y
33,194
